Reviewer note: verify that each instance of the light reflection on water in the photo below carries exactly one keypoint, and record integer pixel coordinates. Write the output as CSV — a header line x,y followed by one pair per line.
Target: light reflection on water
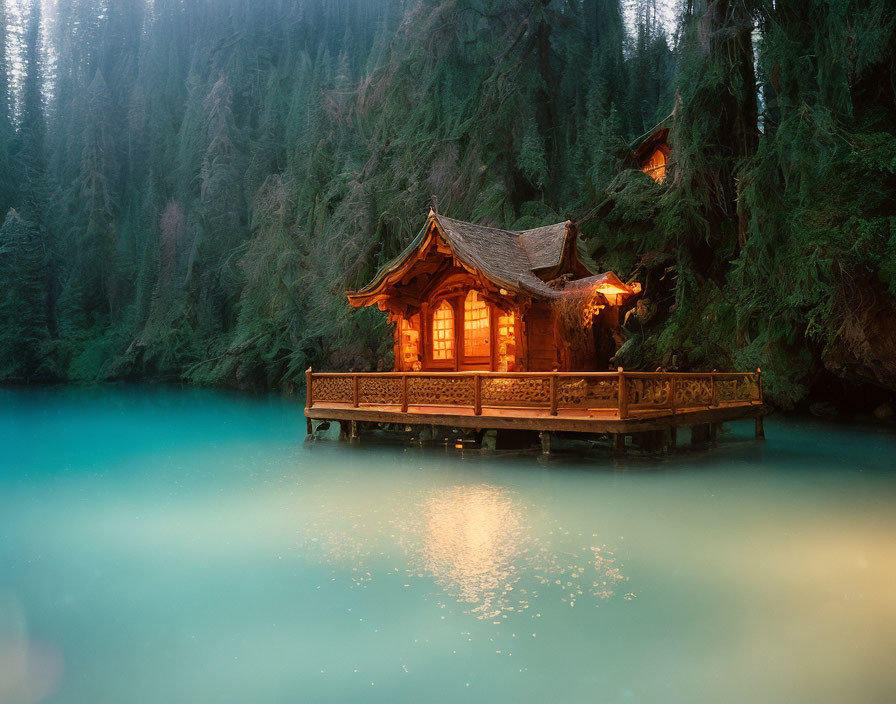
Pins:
x,y
163,545
469,542
473,542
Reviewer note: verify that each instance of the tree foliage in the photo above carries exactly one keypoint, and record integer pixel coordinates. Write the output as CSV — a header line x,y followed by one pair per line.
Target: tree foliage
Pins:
x,y
196,183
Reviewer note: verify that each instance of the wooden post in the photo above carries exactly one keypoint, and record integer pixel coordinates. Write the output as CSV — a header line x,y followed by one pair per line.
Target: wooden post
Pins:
x,y
712,390
699,433
354,431
759,374
477,394
623,395
309,400
760,428
553,394
672,393
404,393
545,442
355,398
619,444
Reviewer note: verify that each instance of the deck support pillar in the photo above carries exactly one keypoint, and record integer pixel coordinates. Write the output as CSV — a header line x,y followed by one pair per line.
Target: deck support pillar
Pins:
x,y
309,429
760,428
619,444
353,431
699,433
545,442
673,437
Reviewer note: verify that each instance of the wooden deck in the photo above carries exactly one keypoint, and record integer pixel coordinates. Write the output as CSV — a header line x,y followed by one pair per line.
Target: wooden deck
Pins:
x,y
616,403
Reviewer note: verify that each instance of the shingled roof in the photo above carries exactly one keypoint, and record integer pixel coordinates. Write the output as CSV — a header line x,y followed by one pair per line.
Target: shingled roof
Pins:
x,y
508,258
511,259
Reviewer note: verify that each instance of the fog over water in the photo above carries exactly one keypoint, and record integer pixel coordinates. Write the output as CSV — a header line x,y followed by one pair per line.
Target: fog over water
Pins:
x,y
171,545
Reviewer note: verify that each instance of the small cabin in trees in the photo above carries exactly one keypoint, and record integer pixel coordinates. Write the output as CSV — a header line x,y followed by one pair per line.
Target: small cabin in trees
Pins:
x,y
653,151
466,297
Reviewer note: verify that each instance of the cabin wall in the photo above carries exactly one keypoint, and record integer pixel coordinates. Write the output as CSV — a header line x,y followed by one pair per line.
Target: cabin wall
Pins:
x,y
607,337
541,341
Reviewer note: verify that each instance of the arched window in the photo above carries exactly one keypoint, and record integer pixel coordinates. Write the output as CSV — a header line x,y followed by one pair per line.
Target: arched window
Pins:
x,y
477,335
655,166
443,332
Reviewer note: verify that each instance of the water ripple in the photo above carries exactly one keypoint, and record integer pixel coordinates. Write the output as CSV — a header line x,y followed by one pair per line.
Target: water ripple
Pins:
x,y
475,543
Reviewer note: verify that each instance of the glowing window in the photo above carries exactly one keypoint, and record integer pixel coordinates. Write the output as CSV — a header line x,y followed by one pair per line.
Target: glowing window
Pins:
x,y
506,342
655,166
477,334
443,332
409,336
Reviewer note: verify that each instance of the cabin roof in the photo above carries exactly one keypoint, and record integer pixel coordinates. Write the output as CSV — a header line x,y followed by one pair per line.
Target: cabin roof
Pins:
x,y
544,245
510,259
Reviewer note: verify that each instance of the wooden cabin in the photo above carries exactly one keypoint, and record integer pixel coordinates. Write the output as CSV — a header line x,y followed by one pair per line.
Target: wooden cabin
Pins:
x,y
465,297
653,151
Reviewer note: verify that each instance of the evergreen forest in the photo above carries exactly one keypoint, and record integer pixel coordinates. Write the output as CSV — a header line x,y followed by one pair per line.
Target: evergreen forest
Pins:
x,y
188,187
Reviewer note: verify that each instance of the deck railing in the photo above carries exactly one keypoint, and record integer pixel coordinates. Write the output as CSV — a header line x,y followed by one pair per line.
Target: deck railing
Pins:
x,y
626,393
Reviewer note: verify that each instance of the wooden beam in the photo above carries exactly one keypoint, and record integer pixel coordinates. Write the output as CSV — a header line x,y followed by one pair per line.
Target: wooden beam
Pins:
x,y
619,444
477,395
623,395
530,419
309,401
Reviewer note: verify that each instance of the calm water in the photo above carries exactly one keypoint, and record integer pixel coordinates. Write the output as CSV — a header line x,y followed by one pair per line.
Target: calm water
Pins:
x,y
162,545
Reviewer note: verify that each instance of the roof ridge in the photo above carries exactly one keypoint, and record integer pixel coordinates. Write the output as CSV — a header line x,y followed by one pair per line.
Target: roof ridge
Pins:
x,y
541,227
474,224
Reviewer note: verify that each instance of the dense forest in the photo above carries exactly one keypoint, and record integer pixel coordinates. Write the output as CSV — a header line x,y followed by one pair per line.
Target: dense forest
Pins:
x,y
189,186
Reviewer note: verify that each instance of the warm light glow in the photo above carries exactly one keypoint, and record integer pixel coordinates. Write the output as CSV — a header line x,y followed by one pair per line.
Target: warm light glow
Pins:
x,y
655,166
506,342
477,334
443,332
611,290
591,310
409,342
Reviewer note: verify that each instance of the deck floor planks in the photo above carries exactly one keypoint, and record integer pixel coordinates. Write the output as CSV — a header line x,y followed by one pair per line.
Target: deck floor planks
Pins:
x,y
586,421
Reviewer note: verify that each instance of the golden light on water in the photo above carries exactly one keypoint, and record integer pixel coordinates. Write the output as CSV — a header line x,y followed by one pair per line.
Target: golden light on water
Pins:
x,y
474,542
473,537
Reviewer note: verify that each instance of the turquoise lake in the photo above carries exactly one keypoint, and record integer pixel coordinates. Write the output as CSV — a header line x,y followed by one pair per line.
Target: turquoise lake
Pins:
x,y
179,545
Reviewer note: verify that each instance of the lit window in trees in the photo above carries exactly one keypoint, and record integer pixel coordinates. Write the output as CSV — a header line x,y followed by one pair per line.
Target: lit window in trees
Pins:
x,y
443,332
477,334
655,166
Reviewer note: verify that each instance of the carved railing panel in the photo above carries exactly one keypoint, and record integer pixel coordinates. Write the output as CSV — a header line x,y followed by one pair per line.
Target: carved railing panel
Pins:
x,y
643,391
381,390
516,391
441,390
742,389
649,392
587,392
337,389
692,391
